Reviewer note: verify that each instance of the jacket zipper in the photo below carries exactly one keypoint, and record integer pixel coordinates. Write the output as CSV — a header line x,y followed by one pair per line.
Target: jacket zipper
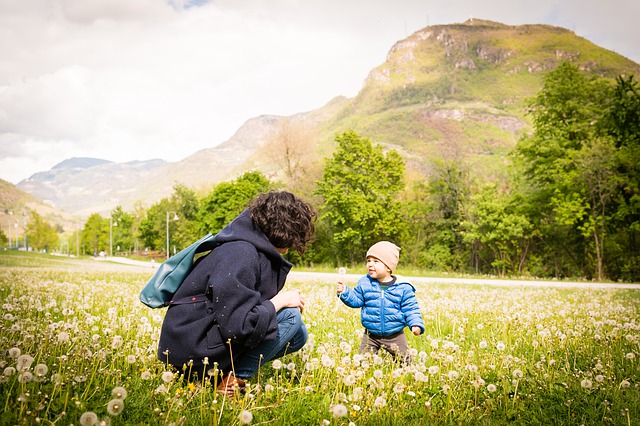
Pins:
x,y
382,325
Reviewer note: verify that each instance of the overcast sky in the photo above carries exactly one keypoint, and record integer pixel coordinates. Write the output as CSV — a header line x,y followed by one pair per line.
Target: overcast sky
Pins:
x,y
128,80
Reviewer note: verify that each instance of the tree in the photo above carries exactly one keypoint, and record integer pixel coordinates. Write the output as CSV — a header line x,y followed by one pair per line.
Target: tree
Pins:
x,y
40,234
290,147
122,230
229,199
93,235
563,159
358,187
497,223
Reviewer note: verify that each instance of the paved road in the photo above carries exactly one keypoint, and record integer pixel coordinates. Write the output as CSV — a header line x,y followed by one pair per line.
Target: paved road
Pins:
x,y
352,278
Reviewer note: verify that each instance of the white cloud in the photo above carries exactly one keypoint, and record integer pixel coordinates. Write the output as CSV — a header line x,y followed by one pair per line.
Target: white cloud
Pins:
x,y
140,79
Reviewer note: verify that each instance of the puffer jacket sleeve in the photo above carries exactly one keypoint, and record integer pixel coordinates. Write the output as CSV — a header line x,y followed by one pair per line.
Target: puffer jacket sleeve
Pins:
x,y
353,298
411,309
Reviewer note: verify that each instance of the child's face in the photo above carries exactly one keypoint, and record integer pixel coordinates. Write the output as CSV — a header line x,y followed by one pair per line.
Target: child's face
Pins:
x,y
377,270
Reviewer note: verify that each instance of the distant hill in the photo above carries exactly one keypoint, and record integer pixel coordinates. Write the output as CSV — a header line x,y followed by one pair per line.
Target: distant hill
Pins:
x,y
455,92
17,205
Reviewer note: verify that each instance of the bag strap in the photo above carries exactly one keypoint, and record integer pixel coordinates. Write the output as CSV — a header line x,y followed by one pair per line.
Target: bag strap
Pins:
x,y
186,300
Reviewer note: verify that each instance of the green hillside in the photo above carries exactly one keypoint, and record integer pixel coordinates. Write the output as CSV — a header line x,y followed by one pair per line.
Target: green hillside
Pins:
x,y
459,91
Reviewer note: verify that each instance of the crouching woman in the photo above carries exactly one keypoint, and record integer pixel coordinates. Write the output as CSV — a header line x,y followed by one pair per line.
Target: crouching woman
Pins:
x,y
231,309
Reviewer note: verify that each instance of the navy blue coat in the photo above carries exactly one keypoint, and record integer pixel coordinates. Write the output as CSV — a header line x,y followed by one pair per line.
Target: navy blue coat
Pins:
x,y
223,307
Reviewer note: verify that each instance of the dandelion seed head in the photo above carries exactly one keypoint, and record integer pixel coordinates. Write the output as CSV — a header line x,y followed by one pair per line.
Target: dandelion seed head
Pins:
x,y
500,346
14,353
63,337
119,392
24,362
586,384
41,369
434,369
398,387
88,418
453,375
115,407
491,387
380,402
625,384
277,364
145,375
599,378
630,356
245,417
131,359
483,344
167,376
25,377
517,373
339,410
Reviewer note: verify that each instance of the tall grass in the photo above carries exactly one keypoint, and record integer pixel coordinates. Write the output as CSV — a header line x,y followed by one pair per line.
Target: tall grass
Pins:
x,y
79,348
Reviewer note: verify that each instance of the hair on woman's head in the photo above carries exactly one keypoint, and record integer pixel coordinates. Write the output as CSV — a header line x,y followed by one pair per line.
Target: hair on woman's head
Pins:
x,y
285,219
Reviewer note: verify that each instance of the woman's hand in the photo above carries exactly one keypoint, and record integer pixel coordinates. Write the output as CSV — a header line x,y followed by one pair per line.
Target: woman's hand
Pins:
x,y
288,299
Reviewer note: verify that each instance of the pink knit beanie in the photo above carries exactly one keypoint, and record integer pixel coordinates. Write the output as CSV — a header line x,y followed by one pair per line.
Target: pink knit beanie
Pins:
x,y
387,252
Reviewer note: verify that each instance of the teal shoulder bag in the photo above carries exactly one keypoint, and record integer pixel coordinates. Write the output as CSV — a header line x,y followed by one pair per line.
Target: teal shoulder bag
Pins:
x,y
159,291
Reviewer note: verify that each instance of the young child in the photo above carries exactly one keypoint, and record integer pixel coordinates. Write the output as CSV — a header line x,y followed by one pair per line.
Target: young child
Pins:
x,y
388,303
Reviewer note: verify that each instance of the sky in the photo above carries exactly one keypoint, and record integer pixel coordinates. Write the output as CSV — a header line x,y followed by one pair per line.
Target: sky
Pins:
x,y
126,80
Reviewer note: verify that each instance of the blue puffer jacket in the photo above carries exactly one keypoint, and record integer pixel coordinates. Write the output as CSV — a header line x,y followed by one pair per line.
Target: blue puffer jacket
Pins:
x,y
384,312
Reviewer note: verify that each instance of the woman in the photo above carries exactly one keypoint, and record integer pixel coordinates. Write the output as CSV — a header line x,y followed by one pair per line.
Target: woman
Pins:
x,y
230,309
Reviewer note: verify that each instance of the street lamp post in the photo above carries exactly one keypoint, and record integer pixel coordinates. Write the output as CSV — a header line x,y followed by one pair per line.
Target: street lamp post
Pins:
x,y
111,225
175,217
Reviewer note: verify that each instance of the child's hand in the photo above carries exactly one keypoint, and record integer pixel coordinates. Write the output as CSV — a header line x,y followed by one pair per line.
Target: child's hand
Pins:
x,y
340,288
416,330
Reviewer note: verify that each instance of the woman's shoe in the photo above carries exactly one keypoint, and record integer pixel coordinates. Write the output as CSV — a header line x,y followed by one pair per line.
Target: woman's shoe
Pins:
x,y
230,385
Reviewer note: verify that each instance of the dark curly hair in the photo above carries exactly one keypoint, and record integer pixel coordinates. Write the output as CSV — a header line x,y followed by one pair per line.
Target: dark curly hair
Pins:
x,y
286,220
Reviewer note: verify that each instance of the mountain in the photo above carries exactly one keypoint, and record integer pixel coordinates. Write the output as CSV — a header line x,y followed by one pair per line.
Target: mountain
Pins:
x,y
16,205
446,93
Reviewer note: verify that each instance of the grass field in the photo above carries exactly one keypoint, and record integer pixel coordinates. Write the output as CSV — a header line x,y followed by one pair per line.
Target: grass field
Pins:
x,y
77,347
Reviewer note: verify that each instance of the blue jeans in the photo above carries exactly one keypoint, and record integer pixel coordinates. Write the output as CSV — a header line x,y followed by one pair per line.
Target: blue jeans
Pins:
x,y
292,335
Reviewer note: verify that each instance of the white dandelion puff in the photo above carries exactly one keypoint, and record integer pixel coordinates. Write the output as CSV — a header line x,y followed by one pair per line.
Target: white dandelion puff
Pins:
x,y
491,387
25,377
24,362
14,353
41,370
88,418
380,402
119,392
586,384
339,410
245,417
277,364
500,346
167,376
115,407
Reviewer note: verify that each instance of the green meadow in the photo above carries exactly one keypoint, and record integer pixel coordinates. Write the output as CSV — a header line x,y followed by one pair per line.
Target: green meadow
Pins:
x,y
77,347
